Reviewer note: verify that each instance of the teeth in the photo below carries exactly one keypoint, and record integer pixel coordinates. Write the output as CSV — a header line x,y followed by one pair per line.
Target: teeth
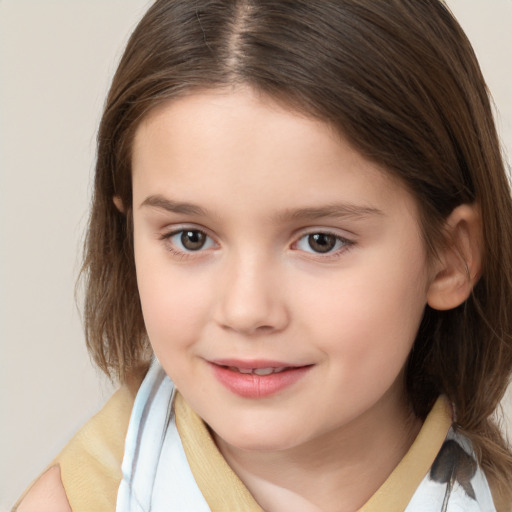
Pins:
x,y
258,371
263,371
241,370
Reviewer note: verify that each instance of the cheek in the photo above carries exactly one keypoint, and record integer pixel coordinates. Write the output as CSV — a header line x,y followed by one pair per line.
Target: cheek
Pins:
x,y
370,318
174,315
174,303
169,310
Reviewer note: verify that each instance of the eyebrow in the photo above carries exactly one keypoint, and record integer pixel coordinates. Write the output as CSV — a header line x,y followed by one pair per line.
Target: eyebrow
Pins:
x,y
163,203
336,210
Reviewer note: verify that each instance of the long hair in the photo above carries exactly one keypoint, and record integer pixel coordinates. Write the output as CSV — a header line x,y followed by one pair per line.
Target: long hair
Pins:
x,y
400,81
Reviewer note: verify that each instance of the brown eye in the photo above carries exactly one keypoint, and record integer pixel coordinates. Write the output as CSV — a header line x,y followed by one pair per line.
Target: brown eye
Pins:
x,y
322,242
193,240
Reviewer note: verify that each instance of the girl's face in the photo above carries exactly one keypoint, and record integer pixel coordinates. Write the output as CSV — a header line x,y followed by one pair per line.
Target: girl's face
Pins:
x,y
282,275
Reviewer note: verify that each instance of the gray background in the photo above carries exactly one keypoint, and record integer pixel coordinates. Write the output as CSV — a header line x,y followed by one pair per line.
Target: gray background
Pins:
x,y
56,60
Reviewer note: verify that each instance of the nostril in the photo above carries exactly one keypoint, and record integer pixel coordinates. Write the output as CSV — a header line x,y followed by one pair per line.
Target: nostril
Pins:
x,y
264,328
258,329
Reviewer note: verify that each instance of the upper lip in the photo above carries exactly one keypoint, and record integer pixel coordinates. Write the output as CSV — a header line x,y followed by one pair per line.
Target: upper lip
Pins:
x,y
254,364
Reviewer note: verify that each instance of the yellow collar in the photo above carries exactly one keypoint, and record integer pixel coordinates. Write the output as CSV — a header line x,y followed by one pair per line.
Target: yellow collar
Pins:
x,y
223,490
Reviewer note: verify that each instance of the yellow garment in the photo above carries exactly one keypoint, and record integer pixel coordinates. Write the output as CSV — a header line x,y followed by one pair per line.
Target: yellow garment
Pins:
x,y
220,486
91,462
224,491
396,492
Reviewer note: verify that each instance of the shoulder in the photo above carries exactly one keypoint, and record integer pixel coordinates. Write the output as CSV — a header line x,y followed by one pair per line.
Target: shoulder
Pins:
x,y
86,473
47,494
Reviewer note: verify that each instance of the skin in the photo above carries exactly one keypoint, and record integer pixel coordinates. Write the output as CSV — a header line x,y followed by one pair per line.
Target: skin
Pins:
x,y
262,178
46,495
258,179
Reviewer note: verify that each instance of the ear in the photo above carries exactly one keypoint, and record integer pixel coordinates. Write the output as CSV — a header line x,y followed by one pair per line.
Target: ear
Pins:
x,y
118,202
459,261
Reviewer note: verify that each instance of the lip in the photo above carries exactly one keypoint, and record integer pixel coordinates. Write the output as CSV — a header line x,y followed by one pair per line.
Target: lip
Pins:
x,y
254,363
250,385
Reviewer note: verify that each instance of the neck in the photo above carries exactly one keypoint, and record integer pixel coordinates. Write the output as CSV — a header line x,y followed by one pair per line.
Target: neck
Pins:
x,y
344,467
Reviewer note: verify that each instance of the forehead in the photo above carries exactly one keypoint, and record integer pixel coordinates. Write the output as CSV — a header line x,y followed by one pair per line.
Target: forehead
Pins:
x,y
246,149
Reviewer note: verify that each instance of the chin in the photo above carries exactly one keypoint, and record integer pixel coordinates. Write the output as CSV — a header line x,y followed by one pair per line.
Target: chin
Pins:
x,y
259,440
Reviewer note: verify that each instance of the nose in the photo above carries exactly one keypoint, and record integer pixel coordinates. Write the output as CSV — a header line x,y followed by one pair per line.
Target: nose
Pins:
x,y
252,299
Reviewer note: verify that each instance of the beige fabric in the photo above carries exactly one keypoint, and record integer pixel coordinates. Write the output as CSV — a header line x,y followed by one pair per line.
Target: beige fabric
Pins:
x,y
91,462
396,492
220,486
223,490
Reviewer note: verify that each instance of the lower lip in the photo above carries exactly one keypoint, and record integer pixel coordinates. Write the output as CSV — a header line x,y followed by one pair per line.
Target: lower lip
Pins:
x,y
250,385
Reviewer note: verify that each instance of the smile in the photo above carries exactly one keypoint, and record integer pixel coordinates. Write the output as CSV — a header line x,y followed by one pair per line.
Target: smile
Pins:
x,y
259,379
259,371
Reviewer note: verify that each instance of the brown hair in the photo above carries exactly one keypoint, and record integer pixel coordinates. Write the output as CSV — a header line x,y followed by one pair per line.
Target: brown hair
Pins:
x,y
400,81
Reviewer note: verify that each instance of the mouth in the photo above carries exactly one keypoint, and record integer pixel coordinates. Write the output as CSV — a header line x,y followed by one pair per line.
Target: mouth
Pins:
x,y
259,371
257,379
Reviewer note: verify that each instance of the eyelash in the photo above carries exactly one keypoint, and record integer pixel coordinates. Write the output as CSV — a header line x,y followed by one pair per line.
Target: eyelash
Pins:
x,y
343,244
346,244
183,254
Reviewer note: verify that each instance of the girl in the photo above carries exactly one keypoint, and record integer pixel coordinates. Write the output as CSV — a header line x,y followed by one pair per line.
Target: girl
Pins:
x,y
301,226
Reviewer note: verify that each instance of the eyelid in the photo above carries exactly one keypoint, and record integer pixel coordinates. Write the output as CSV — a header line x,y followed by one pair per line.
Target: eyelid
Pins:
x,y
172,229
347,242
167,234
337,232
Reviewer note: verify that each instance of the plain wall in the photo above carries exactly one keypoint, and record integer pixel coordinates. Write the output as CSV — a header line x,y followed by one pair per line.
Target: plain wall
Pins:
x,y
56,60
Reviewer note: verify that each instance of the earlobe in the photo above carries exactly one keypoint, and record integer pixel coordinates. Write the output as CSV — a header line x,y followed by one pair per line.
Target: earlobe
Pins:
x,y
118,202
459,261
